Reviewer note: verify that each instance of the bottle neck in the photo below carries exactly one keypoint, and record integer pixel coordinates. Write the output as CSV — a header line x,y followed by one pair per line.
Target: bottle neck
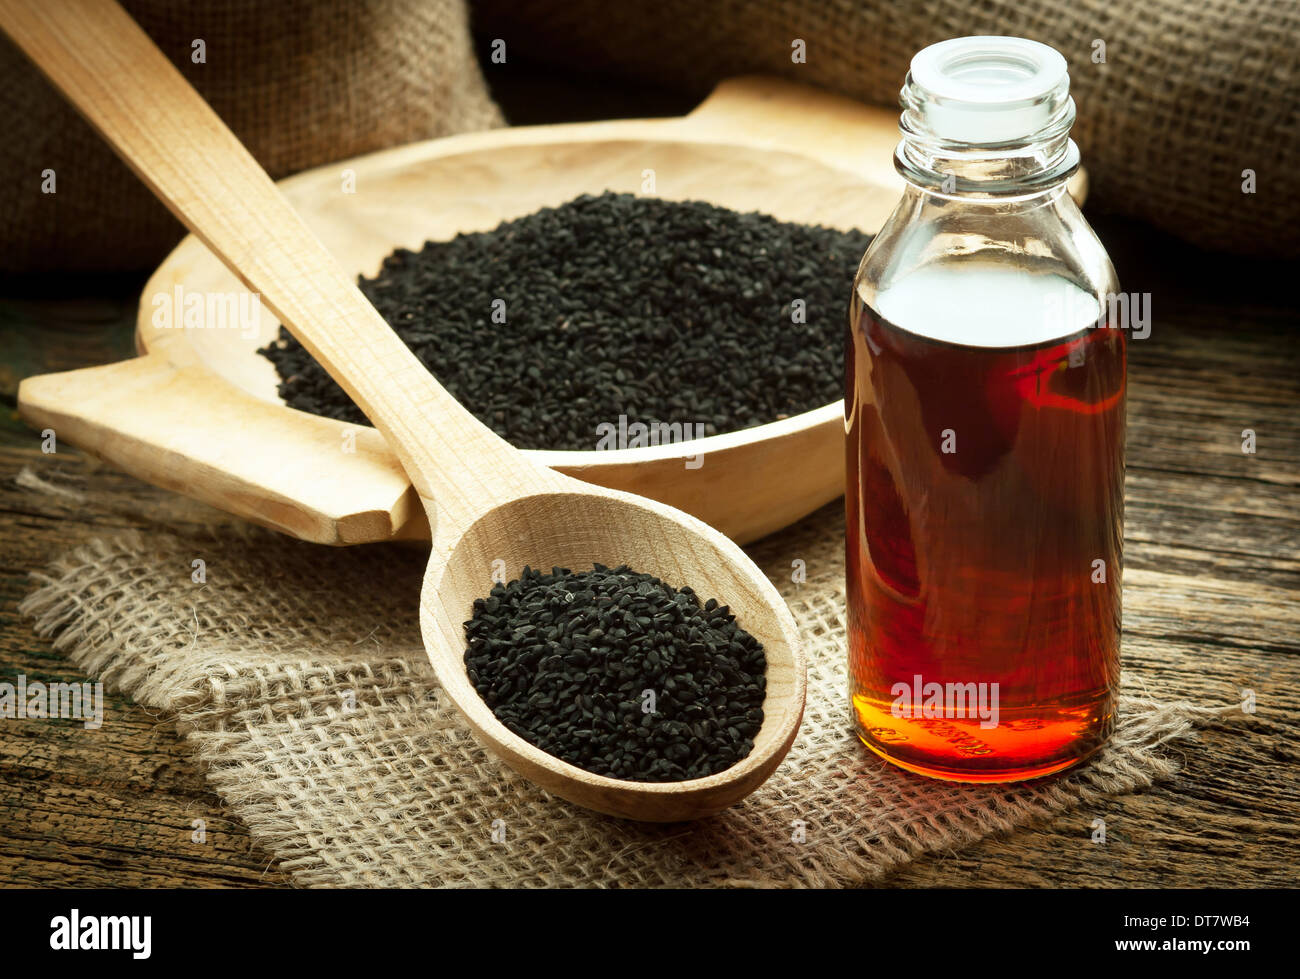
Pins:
x,y
954,152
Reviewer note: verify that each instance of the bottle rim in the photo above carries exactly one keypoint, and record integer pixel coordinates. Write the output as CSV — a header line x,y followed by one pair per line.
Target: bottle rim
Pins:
x,y
970,102
992,71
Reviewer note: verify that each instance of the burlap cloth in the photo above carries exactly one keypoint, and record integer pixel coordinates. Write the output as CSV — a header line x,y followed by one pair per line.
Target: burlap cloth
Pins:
x,y
300,82
1189,95
260,664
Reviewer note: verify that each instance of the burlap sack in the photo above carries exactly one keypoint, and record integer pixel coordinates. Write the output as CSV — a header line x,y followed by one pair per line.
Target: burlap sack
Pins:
x,y
299,676
1188,97
301,83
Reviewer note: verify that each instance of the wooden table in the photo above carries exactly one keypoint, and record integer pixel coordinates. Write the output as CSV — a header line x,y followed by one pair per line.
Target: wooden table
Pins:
x,y
1212,593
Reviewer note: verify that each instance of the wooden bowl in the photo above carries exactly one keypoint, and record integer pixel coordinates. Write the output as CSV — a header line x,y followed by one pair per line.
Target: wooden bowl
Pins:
x,y
198,411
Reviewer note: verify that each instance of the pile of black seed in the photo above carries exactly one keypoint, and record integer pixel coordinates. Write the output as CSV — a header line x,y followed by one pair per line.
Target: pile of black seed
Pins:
x,y
565,661
661,311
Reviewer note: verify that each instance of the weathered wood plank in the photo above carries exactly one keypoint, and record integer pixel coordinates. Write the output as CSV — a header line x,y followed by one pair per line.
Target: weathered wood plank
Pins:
x,y
111,807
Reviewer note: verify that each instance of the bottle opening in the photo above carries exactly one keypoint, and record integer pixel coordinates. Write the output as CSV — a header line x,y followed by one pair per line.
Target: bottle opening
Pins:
x,y
987,90
982,71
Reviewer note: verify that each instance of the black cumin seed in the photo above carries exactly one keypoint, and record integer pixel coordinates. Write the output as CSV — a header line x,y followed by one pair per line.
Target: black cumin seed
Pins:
x,y
661,311
708,684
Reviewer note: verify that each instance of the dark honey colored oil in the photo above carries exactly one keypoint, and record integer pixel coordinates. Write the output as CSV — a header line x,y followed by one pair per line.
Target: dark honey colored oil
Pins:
x,y
978,566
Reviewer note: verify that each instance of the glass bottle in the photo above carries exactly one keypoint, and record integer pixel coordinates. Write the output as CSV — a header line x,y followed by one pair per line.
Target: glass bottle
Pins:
x,y
985,401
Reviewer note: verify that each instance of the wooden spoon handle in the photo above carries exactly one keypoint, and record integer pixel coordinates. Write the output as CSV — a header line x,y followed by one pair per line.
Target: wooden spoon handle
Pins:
x,y
110,70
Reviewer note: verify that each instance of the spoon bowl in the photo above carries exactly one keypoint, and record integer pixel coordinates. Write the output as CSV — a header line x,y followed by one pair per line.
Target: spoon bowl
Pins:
x,y
484,499
576,528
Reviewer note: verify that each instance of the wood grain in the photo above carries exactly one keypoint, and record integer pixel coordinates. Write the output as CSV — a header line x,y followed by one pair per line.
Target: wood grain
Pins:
x,y
112,807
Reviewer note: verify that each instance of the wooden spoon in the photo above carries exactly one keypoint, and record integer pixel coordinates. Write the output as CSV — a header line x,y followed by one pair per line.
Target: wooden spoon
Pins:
x,y
491,508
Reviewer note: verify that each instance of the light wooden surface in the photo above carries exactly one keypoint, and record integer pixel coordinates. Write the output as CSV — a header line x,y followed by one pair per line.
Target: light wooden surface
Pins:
x,y
485,501
756,144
